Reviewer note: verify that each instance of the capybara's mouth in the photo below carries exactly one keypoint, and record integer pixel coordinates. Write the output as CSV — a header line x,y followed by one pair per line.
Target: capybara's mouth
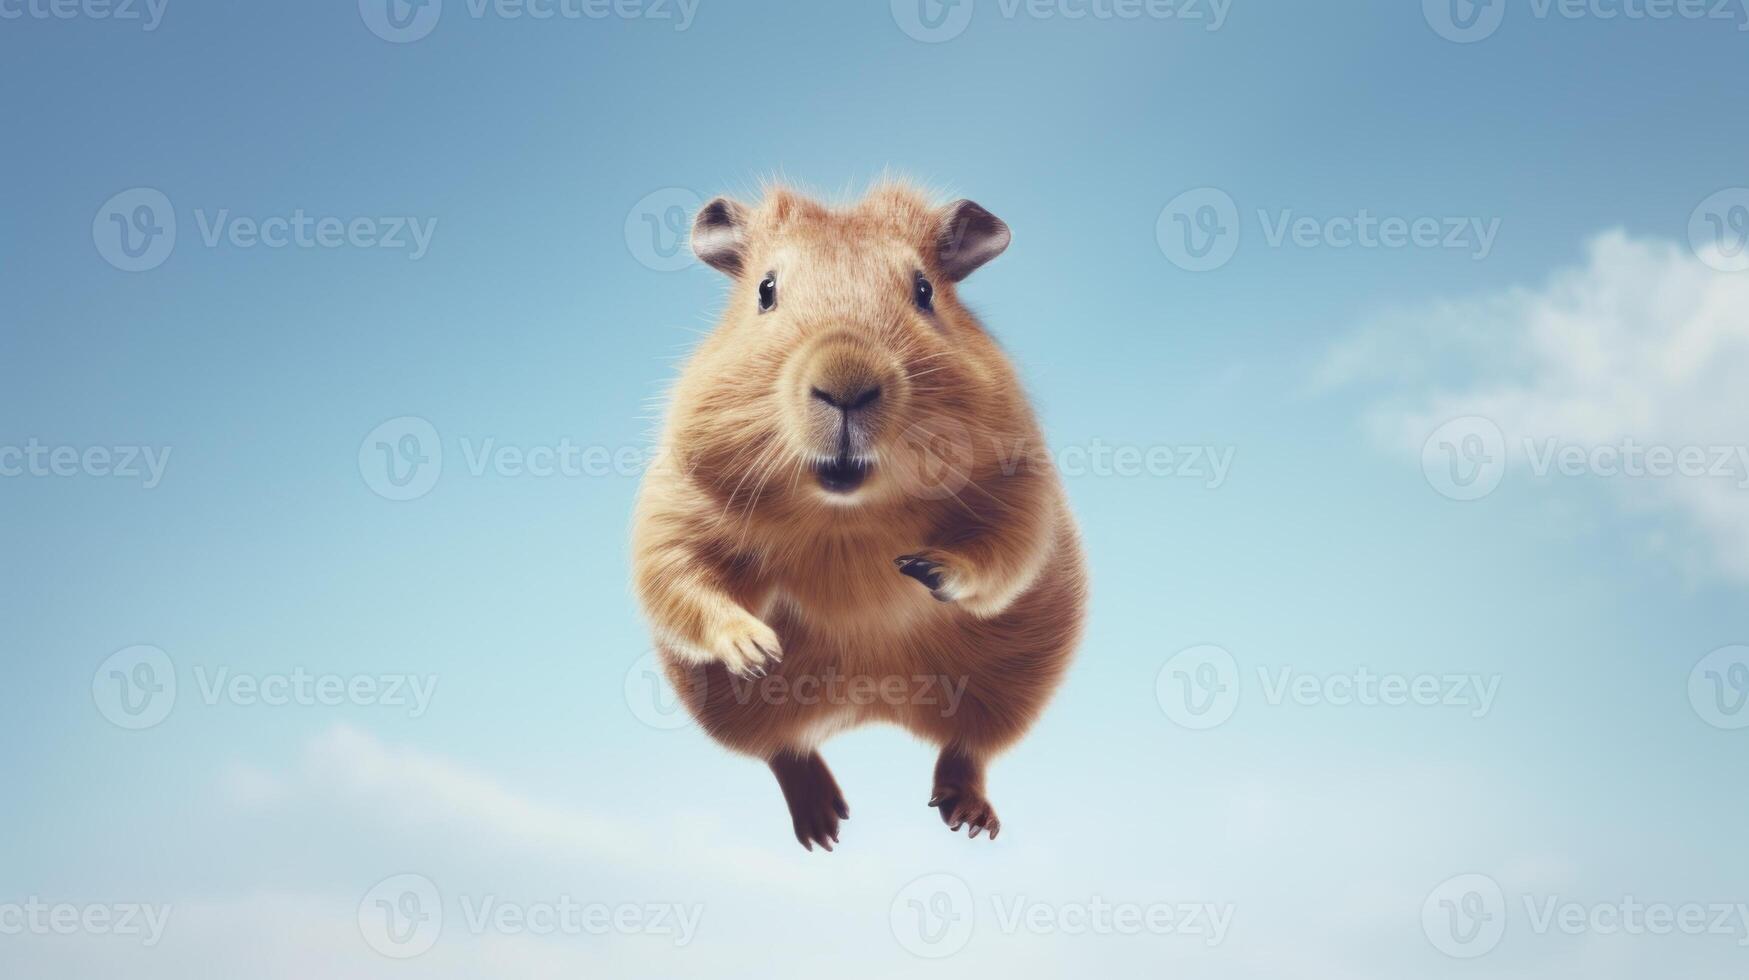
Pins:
x,y
842,474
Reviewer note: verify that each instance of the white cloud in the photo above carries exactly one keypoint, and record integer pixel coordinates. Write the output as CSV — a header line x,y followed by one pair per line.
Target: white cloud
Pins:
x,y
403,790
1643,342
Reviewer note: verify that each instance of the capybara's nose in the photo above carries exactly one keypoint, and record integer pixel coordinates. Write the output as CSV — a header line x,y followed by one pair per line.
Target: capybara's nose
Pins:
x,y
848,398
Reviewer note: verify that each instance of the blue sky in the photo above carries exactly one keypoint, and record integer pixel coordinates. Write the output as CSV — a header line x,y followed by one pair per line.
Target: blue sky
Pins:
x,y
475,213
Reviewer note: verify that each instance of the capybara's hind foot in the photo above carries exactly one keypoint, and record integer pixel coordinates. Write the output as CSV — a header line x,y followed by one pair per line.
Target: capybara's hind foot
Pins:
x,y
960,807
815,803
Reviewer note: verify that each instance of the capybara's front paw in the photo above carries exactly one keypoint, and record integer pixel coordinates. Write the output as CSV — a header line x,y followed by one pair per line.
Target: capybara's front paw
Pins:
x,y
937,573
747,648
960,807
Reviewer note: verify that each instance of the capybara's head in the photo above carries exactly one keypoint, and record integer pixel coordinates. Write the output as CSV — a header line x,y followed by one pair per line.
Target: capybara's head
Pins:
x,y
845,371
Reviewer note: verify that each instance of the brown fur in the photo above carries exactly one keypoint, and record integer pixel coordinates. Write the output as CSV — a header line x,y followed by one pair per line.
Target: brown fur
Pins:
x,y
742,558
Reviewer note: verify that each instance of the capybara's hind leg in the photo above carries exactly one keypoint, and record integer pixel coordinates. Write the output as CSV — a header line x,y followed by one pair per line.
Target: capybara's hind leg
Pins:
x,y
959,792
815,803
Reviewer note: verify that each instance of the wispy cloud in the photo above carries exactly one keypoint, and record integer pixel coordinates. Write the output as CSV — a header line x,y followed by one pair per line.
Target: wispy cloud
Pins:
x,y
1642,344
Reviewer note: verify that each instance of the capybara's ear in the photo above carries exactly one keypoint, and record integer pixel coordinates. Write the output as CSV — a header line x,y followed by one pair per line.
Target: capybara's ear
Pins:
x,y
719,235
970,236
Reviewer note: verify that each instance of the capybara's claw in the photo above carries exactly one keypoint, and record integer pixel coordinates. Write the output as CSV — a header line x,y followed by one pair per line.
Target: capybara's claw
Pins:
x,y
960,808
922,569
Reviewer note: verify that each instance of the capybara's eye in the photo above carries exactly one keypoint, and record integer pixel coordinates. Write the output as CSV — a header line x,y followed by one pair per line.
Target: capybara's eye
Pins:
x,y
768,292
925,294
